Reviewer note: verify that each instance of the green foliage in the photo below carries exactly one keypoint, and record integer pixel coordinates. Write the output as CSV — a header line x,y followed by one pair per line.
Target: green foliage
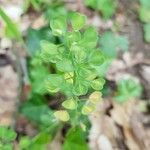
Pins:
x,y
111,42
75,61
35,36
128,89
75,139
34,106
147,32
11,27
36,4
7,136
106,7
144,15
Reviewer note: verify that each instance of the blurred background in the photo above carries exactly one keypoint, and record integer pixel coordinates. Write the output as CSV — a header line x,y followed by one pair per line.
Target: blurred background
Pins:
x,y
121,121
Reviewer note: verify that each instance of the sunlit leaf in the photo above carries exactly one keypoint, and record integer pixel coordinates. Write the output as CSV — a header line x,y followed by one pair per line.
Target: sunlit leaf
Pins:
x,y
62,115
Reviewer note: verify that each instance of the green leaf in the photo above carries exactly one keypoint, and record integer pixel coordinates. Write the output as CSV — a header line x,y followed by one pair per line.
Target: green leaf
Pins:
x,y
90,38
96,58
95,97
75,140
62,115
35,106
111,42
38,35
144,14
88,108
145,3
98,84
73,37
128,89
58,26
11,26
54,82
7,134
8,147
65,65
80,88
106,7
49,50
70,104
24,142
147,32
77,20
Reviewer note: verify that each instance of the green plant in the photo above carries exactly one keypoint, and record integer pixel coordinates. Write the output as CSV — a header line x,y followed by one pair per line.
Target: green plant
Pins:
x,y
7,136
106,7
128,89
11,28
74,61
144,15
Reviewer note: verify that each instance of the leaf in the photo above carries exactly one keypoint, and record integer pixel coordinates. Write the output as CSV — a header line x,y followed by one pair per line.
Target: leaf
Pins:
x,y
88,109
53,83
75,140
147,32
65,65
110,43
35,106
95,97
70,104
24,142
12,27
106,7
62,115
80,88
90,38
97,58
48,51
145,3
73,37
58,25
98,84
8,146
34,37
128,89
7,134
144,14
77,20
80,55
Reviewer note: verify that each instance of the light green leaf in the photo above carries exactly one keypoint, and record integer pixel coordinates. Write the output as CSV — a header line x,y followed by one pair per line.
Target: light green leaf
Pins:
x,y
77,20
62,115
145,3
48,51
111,42
70,104
53,83
144,14
58,26
98,84
95,97
73,37
7,134
80,88
96,58
128,89
147,32
88,108
90,38
65,65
